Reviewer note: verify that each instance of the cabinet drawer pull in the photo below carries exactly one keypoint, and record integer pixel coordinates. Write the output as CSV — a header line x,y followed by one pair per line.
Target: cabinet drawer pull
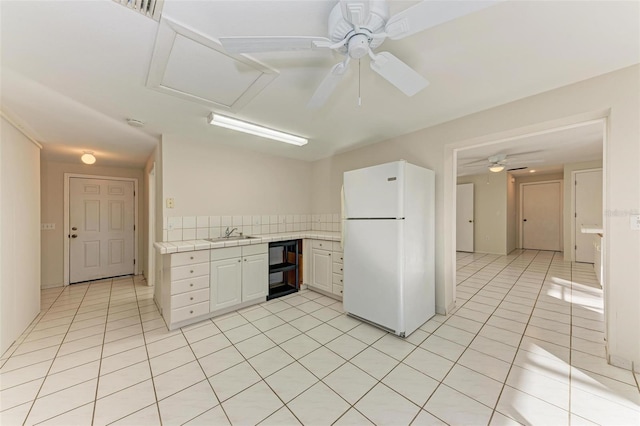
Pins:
x,y
191,285
340,269
329,254
190,312
191,258
238,260
340,280
191,271
245,260
191,298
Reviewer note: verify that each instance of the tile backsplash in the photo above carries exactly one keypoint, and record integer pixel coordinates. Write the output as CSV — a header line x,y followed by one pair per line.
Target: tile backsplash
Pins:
x,y
183,228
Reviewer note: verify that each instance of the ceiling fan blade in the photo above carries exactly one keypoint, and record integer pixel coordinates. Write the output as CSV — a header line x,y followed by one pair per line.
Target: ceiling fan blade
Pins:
x,y
427,14
476,163
272,44
355,12
328,85
398,73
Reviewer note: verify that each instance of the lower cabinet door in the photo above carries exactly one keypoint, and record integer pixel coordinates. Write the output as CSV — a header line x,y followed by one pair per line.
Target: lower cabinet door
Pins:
x,y
255,276
321,269
226,283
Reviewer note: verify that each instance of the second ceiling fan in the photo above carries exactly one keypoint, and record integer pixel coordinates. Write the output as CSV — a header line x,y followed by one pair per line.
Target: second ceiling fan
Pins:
x,y
355,30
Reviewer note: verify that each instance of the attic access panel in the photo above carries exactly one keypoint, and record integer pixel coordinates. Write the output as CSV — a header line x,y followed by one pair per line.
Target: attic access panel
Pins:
x,y
191,66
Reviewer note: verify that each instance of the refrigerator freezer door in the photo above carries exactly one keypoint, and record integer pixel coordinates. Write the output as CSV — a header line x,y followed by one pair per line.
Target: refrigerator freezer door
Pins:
x,y
374,192
372,272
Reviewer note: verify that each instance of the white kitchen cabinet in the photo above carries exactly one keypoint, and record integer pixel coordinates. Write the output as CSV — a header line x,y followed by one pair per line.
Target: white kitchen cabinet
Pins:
x,y
185,284
238,275
321,269
255,273
226,283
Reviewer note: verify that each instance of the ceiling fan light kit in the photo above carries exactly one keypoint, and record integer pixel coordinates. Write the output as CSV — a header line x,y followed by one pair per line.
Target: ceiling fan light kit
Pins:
x,y
254,129
496,168
355,30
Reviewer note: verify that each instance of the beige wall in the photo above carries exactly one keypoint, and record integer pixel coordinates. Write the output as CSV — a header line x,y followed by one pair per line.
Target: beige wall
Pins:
x,y
530,179
205,178
52,184
19,233
568,187
489,211
615,95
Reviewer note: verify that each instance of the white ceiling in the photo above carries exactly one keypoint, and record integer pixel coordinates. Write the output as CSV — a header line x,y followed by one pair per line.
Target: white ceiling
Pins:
x,y
545,153
73,71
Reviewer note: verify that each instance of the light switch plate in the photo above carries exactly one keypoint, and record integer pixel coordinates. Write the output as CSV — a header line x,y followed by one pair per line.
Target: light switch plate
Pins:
x,y
48,226
634,222
170,203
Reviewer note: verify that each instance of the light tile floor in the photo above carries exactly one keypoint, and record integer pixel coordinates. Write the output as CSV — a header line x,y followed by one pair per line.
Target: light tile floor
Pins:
x,y
525,345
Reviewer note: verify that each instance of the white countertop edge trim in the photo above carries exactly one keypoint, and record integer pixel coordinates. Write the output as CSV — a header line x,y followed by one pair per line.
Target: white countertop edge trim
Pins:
x,y
591,229
166,247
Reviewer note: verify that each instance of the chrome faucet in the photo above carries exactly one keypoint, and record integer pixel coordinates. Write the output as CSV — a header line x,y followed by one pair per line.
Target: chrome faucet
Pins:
x,y
228,233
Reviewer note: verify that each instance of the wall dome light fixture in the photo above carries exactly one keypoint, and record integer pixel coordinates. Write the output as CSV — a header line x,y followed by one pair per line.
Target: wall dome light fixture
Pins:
x,y
88,157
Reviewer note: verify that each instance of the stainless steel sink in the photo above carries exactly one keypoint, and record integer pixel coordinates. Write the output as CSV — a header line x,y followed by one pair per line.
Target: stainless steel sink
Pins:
x,y
233,238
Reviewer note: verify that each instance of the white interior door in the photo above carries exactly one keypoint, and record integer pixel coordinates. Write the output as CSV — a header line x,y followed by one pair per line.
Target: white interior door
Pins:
x,y
588,211
464,217
541,216
101,223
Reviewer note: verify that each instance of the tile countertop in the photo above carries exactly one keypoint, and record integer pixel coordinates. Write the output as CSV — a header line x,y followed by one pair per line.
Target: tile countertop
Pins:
x,y
191,245
591,229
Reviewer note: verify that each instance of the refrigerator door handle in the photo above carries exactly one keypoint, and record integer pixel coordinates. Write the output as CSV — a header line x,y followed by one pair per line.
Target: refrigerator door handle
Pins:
x,y
343,235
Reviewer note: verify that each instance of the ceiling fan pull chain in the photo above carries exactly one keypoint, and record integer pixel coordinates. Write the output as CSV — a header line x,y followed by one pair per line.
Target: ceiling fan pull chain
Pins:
x,y
359,76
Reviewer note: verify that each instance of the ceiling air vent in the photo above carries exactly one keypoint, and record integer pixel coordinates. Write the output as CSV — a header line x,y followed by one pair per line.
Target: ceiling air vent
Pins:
x,y
149,8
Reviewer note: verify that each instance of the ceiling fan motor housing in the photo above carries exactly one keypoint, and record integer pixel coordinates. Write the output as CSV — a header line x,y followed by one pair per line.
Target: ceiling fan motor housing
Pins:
x,y
339,29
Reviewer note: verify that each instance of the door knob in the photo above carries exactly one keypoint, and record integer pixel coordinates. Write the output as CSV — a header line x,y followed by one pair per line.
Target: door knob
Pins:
x,y
74,236
74,229
524,220
470,221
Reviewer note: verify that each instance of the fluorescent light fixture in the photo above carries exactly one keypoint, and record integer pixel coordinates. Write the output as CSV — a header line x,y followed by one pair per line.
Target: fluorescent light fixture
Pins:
x,y
496,168
88,157
254,129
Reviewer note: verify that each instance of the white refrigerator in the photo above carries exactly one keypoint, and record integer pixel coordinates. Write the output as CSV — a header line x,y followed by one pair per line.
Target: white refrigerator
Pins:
x,y
388,237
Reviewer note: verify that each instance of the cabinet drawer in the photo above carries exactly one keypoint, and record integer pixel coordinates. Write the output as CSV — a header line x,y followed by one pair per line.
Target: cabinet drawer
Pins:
x,y
189,271
321,244
338,257
189,258
337,289
335,246
338,279
190,284
189,298
337,267
255,249
193,311
225,253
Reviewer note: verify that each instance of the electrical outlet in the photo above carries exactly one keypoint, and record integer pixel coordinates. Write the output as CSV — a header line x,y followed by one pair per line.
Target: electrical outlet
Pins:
x,y
48,226
170,203
634,222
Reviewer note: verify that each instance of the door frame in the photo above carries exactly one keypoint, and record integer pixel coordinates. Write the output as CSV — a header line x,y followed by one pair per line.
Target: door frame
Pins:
x,y
66,254
573,206
446,303
151,227
521,213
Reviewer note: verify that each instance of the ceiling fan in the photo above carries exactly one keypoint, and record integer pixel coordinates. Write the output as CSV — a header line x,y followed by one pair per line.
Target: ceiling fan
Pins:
x,y
355,30
498,162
